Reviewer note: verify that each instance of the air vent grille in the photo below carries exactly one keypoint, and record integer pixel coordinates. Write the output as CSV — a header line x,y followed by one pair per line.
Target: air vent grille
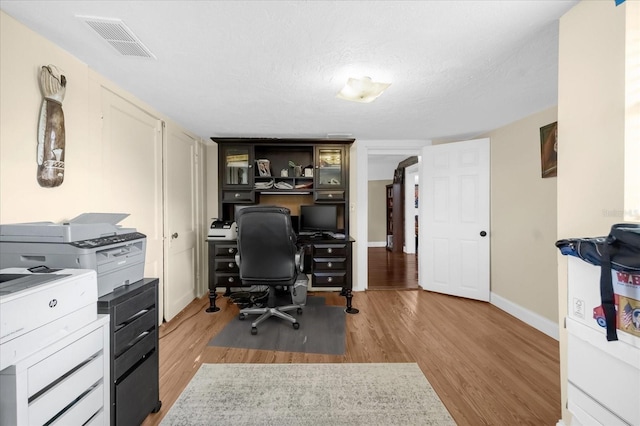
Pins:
x,y
119,36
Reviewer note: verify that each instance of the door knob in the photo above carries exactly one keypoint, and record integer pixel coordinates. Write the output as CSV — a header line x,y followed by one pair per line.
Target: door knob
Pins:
x,y
174,235
483,234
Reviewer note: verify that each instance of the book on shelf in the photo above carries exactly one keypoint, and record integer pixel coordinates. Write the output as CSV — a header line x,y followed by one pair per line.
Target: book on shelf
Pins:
x,y
235,158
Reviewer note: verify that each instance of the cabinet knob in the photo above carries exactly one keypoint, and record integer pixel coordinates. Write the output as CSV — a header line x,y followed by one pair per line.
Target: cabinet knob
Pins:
x,y
231,279
231,250
330,196
231,264
237,195
174,235
330,279
329,250
330,265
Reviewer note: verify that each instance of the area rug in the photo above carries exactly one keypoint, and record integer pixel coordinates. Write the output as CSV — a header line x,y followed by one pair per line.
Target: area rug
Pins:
x,y
322,331
308,394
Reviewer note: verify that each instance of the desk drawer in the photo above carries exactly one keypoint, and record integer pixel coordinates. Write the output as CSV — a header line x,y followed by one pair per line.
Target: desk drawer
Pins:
x,y
330,250
329,196
225,265
226,280
125,310
330,264
329,279
238,196
126,336
224,250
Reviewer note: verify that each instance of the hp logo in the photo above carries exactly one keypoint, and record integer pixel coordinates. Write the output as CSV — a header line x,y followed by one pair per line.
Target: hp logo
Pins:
x,y
53,303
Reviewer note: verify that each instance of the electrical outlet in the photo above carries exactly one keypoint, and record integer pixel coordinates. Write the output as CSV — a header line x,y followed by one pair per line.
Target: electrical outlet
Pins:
x,y
578,308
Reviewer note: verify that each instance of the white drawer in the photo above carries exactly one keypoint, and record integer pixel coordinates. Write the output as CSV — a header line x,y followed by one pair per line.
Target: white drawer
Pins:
x,y
50,369
66,392
606,372
89,407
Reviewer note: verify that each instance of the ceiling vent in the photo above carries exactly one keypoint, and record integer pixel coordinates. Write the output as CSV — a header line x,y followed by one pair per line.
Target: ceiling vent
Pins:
x,y
119,36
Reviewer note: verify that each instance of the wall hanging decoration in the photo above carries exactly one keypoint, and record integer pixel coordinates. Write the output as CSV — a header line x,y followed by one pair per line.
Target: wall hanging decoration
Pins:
x,y
549,150
51,135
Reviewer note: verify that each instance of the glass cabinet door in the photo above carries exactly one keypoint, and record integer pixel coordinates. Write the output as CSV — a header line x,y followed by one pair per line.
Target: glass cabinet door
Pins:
x,y
330,167
237,166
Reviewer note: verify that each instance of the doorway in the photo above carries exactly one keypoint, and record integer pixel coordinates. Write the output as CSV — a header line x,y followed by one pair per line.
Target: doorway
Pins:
x,y
363,151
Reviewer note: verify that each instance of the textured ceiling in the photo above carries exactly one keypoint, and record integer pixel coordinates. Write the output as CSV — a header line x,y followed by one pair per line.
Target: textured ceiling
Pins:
x,y
272,68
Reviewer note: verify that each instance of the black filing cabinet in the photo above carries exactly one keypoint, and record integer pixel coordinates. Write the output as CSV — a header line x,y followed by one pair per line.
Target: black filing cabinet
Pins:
x,y
134,351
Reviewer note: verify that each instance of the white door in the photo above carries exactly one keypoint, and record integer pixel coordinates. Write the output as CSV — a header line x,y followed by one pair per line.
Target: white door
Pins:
x,y
131,162
181,219
454,232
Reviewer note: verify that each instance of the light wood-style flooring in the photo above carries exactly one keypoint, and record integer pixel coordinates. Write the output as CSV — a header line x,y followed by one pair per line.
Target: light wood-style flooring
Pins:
x,y
487,367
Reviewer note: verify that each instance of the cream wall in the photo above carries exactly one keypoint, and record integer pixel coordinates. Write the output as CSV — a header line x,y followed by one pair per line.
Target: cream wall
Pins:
x,y
22,53
377,211
523,218
594,37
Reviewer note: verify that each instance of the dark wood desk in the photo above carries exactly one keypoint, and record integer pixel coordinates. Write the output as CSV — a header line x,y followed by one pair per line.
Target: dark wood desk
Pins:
x,y
328,260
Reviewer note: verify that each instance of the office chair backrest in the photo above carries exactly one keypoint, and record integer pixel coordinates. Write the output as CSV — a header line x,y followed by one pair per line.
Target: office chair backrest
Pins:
x,y
266,244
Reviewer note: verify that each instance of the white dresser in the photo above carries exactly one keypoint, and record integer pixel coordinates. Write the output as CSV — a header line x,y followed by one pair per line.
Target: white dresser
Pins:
x,y
66,381
604,377
54,349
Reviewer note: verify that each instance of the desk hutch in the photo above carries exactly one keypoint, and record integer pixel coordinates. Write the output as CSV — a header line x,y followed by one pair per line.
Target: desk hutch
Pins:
x,y
287,173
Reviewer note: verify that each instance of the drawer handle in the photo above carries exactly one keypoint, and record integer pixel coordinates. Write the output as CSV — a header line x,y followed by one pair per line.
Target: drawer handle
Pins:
x,y
231,264
231,279
231,250
141,336
330,265
329,250
330,279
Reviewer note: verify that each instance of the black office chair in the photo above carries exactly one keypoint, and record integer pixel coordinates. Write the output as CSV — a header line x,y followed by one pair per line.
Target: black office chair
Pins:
x,y
267,255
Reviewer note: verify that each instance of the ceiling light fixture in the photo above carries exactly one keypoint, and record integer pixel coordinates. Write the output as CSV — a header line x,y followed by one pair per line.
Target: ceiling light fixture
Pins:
x,y
362,90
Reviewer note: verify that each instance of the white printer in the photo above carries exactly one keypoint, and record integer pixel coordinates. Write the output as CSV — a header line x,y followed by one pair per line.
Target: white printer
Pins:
x,y
89,241
222,230
38,308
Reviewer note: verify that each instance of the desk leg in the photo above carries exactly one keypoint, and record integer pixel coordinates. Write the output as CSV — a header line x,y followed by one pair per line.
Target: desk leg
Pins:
x,y
212,301
346,292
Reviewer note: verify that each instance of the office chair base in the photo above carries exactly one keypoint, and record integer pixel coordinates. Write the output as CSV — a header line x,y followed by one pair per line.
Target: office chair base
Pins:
x,y
280,312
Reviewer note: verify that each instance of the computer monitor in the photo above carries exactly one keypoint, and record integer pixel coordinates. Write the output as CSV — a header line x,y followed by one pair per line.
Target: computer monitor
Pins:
x,y
318,217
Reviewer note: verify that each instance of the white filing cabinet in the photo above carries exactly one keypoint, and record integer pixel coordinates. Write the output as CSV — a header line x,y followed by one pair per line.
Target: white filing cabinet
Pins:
x,y
604,377
64,383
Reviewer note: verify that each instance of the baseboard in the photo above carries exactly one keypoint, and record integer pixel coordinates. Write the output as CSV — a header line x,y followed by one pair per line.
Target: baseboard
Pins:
x,y
561,423
377,244
536,321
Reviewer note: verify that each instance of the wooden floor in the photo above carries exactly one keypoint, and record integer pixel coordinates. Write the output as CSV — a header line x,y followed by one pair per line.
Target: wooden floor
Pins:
x,y
392,271
487,367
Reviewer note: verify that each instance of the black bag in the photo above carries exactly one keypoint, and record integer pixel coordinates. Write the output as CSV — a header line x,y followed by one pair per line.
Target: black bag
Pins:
x,y
620,251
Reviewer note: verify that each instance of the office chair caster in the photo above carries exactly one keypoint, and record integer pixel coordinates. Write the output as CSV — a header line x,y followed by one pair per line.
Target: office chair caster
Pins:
x,y
254,331
299,311
241,317
296,325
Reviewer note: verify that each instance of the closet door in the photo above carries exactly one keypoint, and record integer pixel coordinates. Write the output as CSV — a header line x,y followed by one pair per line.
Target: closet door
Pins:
x,y
181,218
132,173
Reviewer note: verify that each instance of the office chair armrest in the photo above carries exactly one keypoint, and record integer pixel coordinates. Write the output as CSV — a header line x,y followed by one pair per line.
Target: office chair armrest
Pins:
x,y
300,260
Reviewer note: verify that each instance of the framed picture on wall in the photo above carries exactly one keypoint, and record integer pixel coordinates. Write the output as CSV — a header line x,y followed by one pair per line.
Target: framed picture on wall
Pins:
x,y
549,150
